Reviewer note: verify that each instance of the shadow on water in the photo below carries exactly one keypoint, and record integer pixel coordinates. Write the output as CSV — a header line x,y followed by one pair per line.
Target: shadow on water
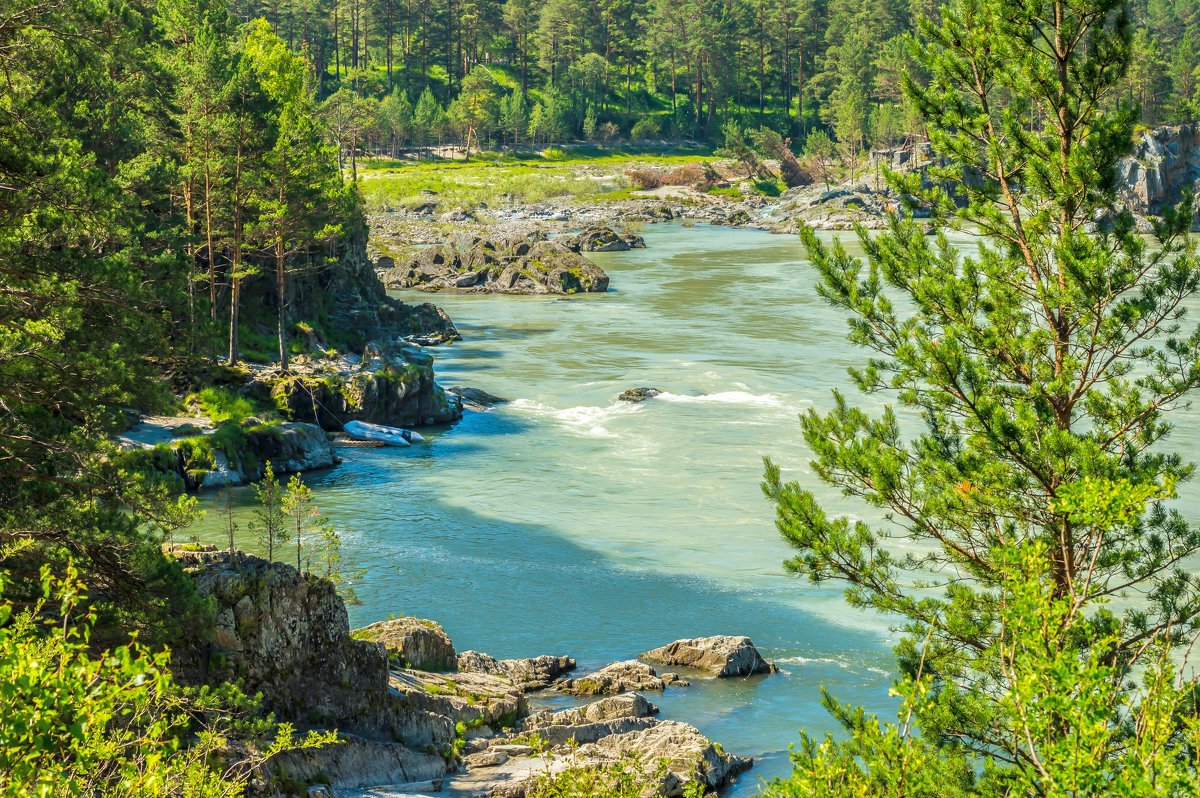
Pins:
x,y
517,590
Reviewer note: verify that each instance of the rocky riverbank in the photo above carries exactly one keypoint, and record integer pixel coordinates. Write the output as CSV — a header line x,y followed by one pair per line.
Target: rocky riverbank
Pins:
x,y
418,718
203,455
1166,161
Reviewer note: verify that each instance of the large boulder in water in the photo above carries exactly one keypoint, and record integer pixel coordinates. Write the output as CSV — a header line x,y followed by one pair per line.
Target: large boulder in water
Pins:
x,y
393,386
722,656
475,398
412,643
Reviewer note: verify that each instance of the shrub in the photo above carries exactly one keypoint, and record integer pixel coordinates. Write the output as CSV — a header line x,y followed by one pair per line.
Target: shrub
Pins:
x,y
646,128
644,178
78,721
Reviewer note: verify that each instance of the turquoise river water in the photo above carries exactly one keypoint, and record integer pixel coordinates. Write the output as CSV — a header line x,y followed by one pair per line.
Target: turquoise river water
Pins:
x,y
566,523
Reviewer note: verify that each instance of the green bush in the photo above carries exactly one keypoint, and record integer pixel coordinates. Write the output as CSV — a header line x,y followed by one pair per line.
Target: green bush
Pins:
x,y
646,128
83,722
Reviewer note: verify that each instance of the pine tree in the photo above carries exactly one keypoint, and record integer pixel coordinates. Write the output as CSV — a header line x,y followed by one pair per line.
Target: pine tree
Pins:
x,y
428,118
268,523
1037,373
477,109
302,515
328,545
302,192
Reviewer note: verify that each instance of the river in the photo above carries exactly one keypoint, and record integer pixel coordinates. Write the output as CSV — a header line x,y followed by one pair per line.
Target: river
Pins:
x,y
566,523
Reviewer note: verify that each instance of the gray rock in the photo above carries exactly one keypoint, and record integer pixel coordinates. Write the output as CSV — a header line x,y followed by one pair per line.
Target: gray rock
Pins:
x,y
475,398
619,677
685,753
499,265
598,239
412,643
486,759
285,634
392,385
638,394
721,656
354,762
535,673
469,698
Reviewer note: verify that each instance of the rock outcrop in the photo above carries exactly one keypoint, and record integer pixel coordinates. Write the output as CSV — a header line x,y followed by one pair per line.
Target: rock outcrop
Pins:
x,y
680,749
535,673
722,656
475,398
506,266
356,762
586,724
392,385
479,701
620,677
285,634
1164,163
237,453
412,643
612,733
357,306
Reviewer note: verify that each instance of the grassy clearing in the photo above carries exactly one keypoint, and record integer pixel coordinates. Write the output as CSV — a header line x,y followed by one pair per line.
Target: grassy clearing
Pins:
x,y
582,174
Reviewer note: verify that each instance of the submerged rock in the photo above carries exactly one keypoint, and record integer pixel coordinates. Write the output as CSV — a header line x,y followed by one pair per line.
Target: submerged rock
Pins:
x,y
475,398
722,656
412,643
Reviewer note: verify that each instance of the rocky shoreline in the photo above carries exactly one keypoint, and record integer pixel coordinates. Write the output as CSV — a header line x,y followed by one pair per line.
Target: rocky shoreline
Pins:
x,y
1166,161
417,718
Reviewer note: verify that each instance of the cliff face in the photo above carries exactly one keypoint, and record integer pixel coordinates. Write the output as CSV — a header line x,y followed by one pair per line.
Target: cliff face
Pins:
x,y
286,635
1165,161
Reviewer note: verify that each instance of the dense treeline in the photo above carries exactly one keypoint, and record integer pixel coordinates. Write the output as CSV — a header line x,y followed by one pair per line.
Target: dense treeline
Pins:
x,y
161,166
163,173
530,71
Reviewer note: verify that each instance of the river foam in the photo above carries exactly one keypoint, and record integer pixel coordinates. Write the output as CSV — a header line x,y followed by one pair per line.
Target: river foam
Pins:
x,y
587,420
725,398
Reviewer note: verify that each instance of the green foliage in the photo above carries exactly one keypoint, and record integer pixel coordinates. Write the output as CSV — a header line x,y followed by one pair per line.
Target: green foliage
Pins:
x,y
268,523
820,152
621,779
223,404
80,722
646,128
1024,478
1084,728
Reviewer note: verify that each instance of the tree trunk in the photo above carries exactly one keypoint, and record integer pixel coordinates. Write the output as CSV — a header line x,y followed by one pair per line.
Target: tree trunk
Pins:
x,y
281,300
